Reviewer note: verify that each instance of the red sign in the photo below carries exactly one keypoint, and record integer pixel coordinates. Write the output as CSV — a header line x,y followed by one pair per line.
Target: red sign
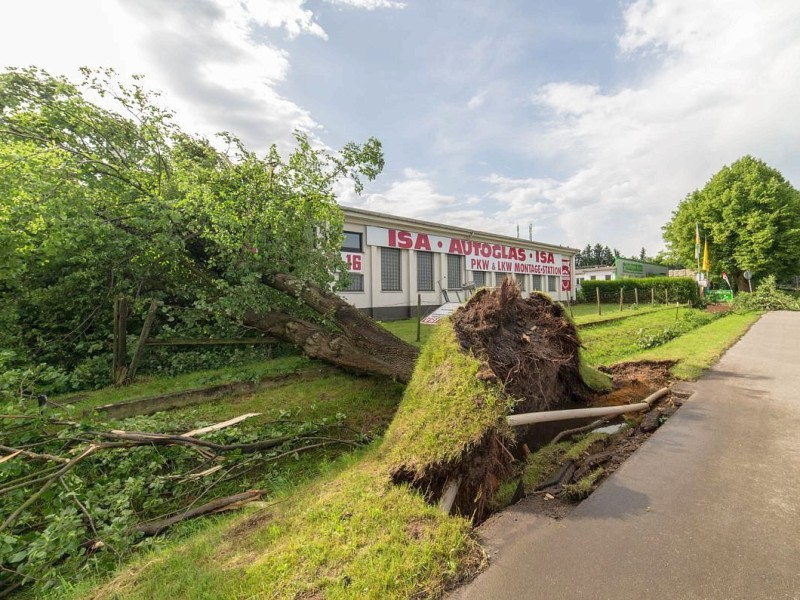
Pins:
x,y
480,256
566,276
354,260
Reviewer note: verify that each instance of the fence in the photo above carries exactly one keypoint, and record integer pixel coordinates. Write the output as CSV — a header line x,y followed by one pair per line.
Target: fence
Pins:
x,y
123,372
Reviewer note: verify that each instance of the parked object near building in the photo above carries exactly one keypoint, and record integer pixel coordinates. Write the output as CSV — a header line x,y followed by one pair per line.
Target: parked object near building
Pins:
x,y
394,259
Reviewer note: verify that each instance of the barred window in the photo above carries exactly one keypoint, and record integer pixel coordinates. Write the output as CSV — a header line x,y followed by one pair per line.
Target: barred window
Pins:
x,y
425,271
499,277
453,271
520,281
536,283
479,278
356,283
552,283
390,270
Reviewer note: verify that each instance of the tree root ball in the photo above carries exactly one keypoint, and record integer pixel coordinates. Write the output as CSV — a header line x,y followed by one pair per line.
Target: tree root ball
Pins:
x,y
528,345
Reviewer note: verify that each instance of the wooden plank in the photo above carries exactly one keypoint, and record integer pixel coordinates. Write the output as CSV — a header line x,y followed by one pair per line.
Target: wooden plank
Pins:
x,y
218,426
140,345
121,349
209,341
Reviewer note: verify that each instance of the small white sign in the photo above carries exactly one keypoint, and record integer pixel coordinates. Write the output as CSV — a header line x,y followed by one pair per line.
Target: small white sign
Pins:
x,y
445,310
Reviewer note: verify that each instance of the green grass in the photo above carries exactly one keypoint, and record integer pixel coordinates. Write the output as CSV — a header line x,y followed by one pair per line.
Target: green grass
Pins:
x,y
607,343
352,533
697,350
154,385
348,531
406,330
443,391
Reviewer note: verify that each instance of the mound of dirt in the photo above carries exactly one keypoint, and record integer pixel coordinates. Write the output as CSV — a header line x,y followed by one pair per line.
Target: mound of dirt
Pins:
x,y
527,345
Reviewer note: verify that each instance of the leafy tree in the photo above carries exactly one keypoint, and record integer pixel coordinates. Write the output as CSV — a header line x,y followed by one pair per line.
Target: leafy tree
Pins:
x,y
750,215
97,201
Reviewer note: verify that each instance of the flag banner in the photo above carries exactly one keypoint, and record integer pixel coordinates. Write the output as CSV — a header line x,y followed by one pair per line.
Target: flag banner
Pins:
x,y
697,241
706,261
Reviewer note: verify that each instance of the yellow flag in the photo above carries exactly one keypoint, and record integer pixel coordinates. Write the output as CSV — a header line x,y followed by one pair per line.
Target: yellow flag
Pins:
x,y
706,262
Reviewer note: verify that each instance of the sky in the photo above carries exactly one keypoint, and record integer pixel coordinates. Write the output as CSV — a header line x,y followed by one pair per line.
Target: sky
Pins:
x,y
588,121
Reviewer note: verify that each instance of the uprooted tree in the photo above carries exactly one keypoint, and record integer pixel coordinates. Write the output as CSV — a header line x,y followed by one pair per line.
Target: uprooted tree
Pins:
x,y
109,196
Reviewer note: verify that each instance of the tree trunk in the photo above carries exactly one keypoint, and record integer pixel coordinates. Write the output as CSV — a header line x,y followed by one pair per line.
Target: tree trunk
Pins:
x,y
361,345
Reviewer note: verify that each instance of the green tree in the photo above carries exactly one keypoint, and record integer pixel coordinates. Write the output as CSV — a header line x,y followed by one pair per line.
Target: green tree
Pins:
x,y
750,216
97,201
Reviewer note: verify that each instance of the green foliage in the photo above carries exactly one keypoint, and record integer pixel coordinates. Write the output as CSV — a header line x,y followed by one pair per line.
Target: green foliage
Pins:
x,y
751,216
766,296
688,322
675,289
598,254
84,522
95,202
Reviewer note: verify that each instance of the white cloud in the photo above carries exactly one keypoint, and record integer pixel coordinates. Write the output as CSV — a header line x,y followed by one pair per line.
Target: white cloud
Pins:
x,y
369,4
216,69
413,196
722,85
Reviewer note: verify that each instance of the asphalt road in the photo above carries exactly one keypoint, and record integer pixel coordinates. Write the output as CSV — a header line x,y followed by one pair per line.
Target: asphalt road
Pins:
x,y
708,507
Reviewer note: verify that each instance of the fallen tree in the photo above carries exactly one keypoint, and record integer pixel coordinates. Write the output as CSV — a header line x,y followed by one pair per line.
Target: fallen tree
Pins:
x,y
101,202
499,354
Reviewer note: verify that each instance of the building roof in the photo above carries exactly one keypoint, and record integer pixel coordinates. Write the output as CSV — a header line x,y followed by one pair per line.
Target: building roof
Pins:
x,y
379,219
595,268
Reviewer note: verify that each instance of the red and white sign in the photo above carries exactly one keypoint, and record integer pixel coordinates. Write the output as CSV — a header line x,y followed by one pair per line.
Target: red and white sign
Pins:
x,y
480,256
445,310
566,275
354,260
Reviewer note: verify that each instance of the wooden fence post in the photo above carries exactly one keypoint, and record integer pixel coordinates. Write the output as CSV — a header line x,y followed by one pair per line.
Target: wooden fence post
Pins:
x,y
620,298
599,310
419,315
120,360
666,296
140,345
636,296
652,296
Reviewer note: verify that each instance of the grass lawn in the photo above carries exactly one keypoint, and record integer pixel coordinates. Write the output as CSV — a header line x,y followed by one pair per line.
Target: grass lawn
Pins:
x,y
337,527
153,385
351,533
697,350
406,330
612,341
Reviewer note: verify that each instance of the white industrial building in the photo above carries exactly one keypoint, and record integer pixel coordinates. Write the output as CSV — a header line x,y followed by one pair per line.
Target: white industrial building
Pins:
x,y
393,259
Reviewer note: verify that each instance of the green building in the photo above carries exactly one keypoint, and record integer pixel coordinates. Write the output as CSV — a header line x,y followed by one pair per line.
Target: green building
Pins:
x,y
626,267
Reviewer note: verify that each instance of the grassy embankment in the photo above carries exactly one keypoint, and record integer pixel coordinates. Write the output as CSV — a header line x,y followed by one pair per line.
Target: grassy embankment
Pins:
x,y
351,533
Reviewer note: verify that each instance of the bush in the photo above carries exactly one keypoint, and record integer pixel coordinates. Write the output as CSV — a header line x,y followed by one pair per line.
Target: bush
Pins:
x,y
766,297
672,289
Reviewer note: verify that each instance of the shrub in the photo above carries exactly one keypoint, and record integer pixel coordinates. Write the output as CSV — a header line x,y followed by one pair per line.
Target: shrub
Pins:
x,y
673,289
766,297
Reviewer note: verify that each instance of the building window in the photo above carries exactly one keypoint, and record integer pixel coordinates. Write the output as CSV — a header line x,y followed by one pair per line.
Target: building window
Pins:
x,y
536,283
425,271
592,277
520,281
479,278
500,277
608,277
552,283
580,280
356,283
390,270
453,272
352,242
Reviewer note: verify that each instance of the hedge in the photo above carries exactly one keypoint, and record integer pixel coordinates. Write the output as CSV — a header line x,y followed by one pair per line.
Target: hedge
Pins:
x,y
665,289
